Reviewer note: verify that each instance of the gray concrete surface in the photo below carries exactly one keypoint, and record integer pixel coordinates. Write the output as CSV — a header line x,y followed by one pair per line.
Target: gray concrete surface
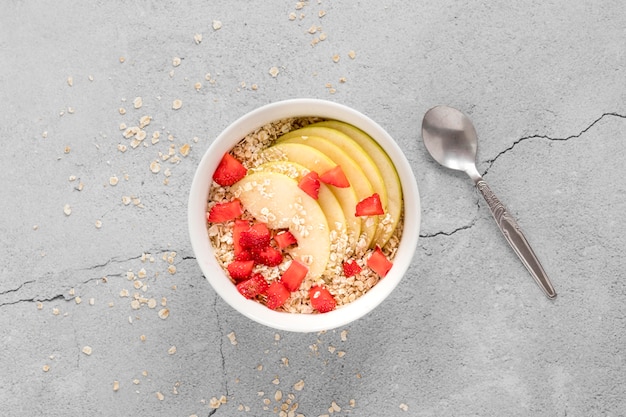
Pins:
x,y
467,333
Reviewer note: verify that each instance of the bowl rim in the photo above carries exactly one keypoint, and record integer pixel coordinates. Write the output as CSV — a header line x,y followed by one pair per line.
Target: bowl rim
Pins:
x,y
204,252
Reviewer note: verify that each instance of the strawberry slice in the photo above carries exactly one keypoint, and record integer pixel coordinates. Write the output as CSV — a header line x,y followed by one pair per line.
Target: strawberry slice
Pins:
x,y
223,212
268,256
351,268
335,176
285,239
379,262
257,236
370,206
240,270
244,255
321,299
229,171
310,184
294,275
254,286
240,226
277,294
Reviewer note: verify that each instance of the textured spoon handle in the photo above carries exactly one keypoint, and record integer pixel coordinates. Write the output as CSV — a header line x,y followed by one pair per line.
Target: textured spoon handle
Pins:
x,y
515,237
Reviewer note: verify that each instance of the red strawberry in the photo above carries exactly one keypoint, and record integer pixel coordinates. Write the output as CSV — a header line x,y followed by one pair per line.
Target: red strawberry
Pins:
x,y
285,239
229,171
268,256
335,176
294,275
255,285
244,255
351,268
223,212
240,270
257,236
370,206
240,226
277,294
379,262
321,299
310,184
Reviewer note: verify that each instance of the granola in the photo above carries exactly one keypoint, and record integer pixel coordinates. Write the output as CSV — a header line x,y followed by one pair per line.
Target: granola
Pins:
x,y
344,289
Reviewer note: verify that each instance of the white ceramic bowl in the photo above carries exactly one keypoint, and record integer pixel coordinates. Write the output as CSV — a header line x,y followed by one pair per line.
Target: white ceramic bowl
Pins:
x,y
204,250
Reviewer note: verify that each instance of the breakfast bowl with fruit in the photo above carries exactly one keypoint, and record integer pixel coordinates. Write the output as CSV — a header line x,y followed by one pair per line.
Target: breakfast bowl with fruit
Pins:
x,y
304,215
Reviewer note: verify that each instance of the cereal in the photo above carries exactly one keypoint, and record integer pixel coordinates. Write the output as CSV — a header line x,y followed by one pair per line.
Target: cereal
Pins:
x,y
344,290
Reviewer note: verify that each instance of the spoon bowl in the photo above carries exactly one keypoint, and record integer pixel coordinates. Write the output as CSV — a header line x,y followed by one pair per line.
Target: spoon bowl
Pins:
x,y
451,139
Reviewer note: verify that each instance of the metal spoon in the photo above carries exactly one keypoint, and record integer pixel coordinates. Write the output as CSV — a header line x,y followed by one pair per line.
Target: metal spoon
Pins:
x,y
451,139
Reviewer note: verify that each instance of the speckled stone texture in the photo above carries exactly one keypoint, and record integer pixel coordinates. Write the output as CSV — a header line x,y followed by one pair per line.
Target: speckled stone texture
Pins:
x,y
467,333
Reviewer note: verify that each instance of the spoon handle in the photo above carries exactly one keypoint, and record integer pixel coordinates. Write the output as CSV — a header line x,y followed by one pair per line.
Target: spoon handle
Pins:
x,y
515,237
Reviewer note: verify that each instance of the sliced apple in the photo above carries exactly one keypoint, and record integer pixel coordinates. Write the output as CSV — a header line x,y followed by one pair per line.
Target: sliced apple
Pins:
x,y
358,180
314,160
276,199
350,147
326,199
387,170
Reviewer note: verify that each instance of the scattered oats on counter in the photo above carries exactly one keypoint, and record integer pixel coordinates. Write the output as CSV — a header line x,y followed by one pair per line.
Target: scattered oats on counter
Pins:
x,y
233,339
274,72
116,386
217,25
67,209
177,104
87,350
171,350
137,102
164,313
197,38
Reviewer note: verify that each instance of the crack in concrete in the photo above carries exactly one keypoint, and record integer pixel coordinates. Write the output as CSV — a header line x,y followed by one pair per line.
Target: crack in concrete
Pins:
x,y
450,233
34,290
221,351
492,161
18,288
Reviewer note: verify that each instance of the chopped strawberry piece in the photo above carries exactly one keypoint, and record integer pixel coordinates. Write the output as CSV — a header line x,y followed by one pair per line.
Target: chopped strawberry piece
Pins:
x,y
255,285
351,268
310,184
335,176
223,212
285,239
240,270
258,236
294,275
229,171
370,206
268,256
240,226
244,255
277,294
379,262
321,299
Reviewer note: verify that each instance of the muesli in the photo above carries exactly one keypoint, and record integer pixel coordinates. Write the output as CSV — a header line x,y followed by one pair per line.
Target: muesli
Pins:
x,y
273,272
